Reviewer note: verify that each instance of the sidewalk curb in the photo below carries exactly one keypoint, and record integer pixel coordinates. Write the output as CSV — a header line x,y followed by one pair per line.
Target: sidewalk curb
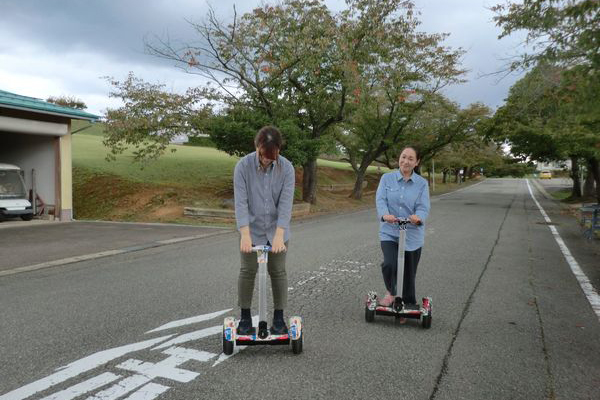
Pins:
x,y
108,253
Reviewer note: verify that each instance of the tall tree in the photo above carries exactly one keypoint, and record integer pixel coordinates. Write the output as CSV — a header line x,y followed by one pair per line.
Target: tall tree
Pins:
x,y
561,31
150,117
293,62
564,33
544,121
408,74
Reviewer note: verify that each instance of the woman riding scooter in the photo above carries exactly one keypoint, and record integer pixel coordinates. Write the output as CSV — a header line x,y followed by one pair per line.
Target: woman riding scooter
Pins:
x,y
402,194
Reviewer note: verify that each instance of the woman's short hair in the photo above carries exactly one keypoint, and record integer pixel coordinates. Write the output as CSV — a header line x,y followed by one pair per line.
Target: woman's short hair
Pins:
x,y
269,141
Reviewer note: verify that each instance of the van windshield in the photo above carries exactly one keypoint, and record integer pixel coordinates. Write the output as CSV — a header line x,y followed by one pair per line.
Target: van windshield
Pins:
x,y
11,185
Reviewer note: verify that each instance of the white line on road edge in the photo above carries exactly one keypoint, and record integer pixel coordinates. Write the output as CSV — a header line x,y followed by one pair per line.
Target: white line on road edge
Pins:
x,y
584,282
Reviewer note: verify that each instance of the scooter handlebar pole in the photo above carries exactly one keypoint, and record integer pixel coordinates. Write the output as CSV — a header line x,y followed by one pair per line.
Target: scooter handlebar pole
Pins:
x,y
262,255
402,225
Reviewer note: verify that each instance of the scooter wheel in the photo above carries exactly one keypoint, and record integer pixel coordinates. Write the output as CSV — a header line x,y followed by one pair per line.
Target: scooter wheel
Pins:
x,y
369,315
426,322
297,345
227,347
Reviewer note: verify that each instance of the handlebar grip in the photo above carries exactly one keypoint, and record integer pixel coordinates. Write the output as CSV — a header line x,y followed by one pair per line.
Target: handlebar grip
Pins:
x,y
401,221
261,248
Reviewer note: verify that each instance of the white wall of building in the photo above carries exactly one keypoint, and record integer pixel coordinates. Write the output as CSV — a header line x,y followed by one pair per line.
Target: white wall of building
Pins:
x,y
32,152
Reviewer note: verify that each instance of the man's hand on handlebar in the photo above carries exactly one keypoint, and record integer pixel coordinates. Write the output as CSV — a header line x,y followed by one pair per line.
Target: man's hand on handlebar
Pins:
x,y
246,240
278,245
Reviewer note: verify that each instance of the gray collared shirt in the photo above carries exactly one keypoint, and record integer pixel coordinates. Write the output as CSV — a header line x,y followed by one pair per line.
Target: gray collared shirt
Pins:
x,y
263,198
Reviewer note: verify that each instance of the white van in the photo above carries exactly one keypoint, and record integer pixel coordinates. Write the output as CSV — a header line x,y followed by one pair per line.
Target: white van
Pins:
x,y
13,195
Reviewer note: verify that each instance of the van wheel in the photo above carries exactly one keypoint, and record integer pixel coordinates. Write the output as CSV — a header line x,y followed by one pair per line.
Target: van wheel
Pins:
x,y
28,217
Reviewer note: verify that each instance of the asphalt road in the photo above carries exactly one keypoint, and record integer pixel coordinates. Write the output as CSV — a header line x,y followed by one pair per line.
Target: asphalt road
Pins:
x,y
510,319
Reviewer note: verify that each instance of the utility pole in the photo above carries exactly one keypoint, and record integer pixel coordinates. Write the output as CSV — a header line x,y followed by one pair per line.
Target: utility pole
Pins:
x,y
433,173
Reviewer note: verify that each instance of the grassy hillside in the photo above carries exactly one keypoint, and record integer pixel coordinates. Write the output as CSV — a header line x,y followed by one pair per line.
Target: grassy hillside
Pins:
x,y
190,176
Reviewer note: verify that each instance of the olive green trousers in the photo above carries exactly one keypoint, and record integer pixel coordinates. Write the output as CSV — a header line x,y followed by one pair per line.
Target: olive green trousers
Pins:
x,y
277,272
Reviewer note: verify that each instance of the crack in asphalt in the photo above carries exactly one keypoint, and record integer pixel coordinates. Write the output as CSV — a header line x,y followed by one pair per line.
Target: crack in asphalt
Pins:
x,y
444,369
551,393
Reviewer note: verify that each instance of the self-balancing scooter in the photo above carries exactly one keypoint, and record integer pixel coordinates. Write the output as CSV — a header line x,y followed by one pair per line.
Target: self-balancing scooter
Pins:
x,y
398,309
264,335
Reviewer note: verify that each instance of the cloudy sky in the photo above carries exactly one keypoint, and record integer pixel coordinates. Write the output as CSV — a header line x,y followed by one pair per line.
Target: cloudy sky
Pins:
x,y
65,47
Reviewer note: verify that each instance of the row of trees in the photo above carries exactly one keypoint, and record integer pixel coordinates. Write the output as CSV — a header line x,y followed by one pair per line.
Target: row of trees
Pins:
x,y
553,113
364,80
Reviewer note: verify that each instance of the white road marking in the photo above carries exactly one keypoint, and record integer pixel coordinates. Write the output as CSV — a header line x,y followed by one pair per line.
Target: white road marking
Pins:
x,y
121,388
167,368
188,321
84,387
182,355
78,367
584,282
158,370
148,392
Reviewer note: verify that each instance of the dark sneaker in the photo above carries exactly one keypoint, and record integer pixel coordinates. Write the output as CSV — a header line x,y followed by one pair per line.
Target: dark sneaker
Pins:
x,y
245,327
279,327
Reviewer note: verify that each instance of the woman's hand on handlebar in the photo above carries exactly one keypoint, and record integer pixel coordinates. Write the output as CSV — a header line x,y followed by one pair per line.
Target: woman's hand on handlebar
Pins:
x,y
415,220
389,218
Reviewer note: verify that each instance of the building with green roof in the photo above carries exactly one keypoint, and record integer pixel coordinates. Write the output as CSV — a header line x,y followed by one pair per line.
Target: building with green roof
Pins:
x,y
36,136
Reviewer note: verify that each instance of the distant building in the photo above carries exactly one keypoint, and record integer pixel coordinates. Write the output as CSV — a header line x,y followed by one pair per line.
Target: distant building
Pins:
x,y
180,139
554,165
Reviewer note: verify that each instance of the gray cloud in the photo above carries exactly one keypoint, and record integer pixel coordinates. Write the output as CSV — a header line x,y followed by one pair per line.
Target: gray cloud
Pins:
x,y
66,45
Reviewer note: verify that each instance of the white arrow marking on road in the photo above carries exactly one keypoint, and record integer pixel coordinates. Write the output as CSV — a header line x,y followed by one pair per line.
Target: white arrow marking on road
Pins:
x,y
188,321
84,387
196,335
147,371
584,282
78,367
149,391
167,368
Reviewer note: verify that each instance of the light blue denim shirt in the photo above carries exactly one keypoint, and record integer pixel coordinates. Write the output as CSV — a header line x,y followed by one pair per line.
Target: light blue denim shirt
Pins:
x,y
263,198
399,197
